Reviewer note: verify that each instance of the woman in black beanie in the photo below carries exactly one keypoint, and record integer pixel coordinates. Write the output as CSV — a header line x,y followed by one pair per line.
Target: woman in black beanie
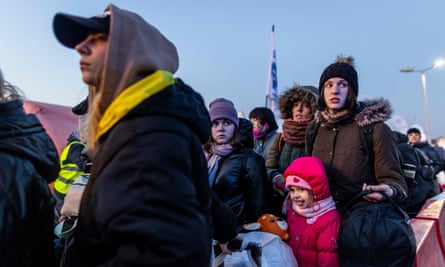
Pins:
x,y
338,142
336,137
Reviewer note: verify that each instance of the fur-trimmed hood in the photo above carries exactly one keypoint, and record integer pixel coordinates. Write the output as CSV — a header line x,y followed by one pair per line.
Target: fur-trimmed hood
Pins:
x,y
368,112
305,93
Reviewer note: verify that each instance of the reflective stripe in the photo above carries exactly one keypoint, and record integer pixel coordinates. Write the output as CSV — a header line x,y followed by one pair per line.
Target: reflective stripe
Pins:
x,y
68,171
65,179
71,167
66,151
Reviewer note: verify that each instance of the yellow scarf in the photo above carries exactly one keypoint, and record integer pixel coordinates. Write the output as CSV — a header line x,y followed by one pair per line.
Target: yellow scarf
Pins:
x,y
131,97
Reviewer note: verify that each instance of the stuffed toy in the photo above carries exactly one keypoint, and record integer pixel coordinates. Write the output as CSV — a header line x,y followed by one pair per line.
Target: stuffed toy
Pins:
x,y
271,224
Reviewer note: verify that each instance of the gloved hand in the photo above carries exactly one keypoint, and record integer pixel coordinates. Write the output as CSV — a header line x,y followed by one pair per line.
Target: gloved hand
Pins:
x,y
279,184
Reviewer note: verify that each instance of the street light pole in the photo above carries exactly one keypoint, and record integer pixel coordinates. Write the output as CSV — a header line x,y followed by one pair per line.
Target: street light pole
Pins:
x,y
438,63
425,104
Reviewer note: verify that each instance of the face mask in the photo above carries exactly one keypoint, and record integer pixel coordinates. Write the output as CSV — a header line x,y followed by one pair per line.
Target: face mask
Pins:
x,y
260,133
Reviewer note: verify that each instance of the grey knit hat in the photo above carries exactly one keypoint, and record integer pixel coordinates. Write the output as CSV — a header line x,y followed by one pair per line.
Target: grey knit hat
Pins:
x,y
222,108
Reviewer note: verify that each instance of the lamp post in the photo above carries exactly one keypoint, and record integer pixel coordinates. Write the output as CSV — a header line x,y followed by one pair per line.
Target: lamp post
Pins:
x,y
436,64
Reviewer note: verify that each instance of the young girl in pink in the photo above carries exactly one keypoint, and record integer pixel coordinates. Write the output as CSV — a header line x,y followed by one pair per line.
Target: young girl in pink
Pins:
x,y
311,214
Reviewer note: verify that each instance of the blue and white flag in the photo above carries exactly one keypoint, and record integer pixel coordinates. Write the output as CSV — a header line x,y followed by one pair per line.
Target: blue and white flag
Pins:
x,y
272,79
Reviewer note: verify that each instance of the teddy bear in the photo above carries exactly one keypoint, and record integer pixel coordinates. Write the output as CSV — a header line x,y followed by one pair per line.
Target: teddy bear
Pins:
x,y
271,224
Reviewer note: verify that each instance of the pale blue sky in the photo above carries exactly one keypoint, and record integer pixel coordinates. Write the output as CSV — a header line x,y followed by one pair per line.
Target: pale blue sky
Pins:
x,y
224,47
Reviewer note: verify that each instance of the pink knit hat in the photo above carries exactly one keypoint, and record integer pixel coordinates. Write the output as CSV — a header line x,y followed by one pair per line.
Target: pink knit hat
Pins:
x,y
293,180
222,108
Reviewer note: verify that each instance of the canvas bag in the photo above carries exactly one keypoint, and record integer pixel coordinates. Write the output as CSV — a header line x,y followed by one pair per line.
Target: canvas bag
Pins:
x,y
73,197
375,234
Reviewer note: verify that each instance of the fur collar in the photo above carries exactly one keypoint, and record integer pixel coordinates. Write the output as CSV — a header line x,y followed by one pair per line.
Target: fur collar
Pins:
x,y
368,112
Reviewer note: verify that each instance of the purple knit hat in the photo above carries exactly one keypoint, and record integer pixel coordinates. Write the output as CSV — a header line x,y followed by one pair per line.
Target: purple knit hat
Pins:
x,y
222,108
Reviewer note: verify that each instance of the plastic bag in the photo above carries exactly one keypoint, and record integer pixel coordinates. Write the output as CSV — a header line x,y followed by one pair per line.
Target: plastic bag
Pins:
x,y
273,252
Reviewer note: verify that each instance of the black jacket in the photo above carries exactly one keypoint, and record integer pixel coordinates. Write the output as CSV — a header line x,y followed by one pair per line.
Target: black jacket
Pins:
x,y
436,161
241,183
29,161
148,200
420,185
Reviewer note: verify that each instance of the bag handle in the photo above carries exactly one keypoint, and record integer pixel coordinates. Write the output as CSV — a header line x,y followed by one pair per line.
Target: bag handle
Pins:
x,y
363,193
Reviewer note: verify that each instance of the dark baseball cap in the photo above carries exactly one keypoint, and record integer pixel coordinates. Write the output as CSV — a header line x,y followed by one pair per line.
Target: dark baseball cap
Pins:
x,y
70,30
413,130
81,108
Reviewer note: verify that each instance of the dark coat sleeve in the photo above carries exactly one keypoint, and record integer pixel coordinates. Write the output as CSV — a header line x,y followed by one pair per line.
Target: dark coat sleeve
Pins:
x,y
257,187
273,158
224,221
387,162
27,212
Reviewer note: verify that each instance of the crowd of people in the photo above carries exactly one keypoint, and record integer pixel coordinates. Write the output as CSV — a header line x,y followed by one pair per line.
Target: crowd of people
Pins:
x,y
141,184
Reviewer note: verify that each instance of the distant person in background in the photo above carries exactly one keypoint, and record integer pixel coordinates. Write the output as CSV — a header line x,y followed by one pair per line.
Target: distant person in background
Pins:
x,y
247,140
414,139
439,145
75,166
420,179
148,201
236,173
297,107
439,141
246,131
28,163
264,129
72,161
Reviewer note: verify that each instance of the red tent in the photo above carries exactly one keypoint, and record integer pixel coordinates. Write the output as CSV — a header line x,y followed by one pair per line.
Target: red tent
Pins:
x,y
57,120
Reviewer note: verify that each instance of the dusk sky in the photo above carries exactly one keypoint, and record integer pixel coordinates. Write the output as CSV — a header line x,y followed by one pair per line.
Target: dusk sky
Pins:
x,y
224,48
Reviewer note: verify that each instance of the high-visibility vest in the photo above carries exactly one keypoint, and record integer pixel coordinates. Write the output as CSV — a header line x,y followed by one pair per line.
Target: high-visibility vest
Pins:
x,y
69,171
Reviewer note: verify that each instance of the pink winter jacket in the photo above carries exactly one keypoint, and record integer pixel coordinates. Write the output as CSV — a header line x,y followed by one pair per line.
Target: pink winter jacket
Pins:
x,y
314,245
313,239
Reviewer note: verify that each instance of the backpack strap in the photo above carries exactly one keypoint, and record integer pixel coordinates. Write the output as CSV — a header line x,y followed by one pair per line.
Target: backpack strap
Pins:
x,y
311,133
280,142
366,139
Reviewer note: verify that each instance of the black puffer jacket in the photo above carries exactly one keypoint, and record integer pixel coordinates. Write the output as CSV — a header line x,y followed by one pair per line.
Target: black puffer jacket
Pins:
x,y
149,181
436,161
241,183
29,161
147,202
420,185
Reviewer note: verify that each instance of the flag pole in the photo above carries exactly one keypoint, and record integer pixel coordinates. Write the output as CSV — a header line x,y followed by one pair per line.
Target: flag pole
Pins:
x,y
272,81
